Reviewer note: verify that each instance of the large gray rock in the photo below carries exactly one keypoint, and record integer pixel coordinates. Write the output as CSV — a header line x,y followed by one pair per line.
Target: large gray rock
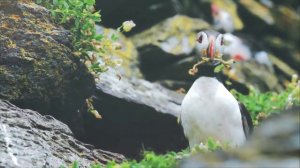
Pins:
x,y
29,140
275,143
37,68
127,53
136,115
166,43
258,75
146,13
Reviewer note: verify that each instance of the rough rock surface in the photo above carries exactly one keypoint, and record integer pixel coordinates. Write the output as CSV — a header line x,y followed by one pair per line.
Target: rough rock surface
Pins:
x,y
37,69
260,76
136,115
138,10
275,143
29,140
147,13
159,64
126,53
166,43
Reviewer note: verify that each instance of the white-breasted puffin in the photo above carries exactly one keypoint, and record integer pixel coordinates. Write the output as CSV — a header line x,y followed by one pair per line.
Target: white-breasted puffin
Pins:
x,y
209,110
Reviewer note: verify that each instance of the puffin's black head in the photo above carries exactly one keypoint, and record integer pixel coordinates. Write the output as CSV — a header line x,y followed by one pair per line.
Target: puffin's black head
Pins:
x,y
210,44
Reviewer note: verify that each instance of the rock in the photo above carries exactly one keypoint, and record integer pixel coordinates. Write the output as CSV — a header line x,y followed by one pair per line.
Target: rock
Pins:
x,y
258,75
284,50
29,140
37,68
270,27
282,66
175,35
166,43
258,10
136,115
144,13
126,53
148,13
275,143
279,135
285,15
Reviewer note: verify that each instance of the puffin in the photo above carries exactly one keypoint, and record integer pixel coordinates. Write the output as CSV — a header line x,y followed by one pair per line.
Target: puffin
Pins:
x,y
209,110
222,19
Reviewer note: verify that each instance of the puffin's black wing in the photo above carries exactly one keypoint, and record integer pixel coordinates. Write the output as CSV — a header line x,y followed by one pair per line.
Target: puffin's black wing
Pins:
x,y
246,120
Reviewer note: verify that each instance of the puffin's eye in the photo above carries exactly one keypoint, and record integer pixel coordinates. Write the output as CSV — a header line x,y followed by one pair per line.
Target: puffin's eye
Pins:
x,y
222,41
200,38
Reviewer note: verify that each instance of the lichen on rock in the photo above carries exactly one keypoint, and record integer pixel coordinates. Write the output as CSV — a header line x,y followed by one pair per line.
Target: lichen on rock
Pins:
x,y
37,68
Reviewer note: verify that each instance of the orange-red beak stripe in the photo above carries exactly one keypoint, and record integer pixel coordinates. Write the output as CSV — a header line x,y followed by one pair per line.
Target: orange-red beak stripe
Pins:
x,y
211,48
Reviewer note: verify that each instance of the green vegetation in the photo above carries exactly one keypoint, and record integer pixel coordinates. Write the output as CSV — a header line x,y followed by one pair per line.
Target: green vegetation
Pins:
x,y
260,105
168,160
80,17
152,160
94,50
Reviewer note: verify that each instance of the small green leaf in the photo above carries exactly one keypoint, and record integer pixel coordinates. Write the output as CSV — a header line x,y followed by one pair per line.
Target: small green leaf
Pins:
x,y
228,82
219,68
75,165
99,37
114,37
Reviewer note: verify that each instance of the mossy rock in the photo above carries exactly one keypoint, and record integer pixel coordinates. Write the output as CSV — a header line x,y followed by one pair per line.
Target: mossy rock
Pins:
x,y
37,68
127,53
166,43
175,35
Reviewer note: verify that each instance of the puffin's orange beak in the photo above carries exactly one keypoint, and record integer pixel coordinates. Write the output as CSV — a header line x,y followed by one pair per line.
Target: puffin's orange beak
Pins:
x,y
211,48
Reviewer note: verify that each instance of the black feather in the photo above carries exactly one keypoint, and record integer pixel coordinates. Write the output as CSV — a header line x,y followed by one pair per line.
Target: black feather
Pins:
x,y
246,120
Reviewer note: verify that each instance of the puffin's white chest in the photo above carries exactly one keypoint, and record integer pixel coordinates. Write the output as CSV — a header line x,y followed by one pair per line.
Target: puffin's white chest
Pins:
x,y
210,110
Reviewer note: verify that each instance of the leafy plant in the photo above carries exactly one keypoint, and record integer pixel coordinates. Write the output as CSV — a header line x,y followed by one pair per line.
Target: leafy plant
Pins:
x,y
150,160
261,105
95,50
80,17
168,160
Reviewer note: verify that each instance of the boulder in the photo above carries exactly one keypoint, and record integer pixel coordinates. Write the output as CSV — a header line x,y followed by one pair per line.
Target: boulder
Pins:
x,y
284,50
275,143
136,115
125,52
30,140
143,12
37,68
147,13
270,20
166,43
258,75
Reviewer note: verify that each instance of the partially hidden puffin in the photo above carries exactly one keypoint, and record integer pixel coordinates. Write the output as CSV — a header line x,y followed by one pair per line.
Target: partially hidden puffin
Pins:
x,y
209,110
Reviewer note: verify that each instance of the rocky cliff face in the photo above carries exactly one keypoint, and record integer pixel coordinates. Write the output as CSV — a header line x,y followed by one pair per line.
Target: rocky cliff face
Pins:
x,y
39,71
166,45
136,115
28,139
37,68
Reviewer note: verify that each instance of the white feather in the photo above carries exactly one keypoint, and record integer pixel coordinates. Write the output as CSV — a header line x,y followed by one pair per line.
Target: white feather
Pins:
x,y
210,110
